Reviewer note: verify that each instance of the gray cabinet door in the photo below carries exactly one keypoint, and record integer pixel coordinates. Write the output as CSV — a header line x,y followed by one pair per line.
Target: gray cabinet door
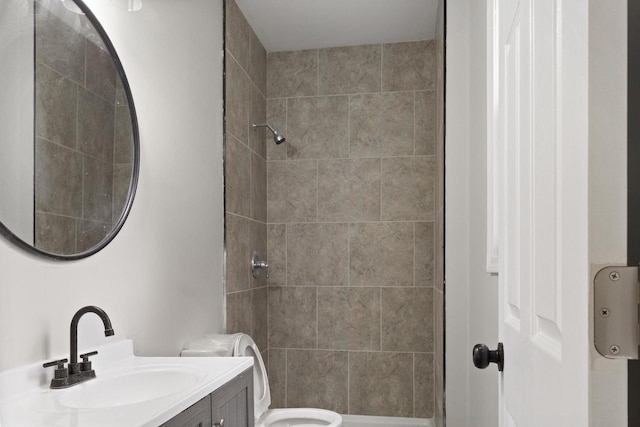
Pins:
x,y
233,402
198,415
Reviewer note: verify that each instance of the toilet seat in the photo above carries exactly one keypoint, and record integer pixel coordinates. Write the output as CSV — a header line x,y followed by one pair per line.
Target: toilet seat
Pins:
x,y
244,346
302,417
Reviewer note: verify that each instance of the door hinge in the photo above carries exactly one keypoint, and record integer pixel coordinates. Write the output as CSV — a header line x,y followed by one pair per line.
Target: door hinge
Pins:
x,y
616,316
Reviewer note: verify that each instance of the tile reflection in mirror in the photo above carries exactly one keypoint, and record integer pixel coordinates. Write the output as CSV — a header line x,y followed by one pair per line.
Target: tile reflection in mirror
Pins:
x,y
84,151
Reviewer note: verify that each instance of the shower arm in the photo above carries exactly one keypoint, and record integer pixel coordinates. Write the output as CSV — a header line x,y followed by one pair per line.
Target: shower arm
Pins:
x,y
264,125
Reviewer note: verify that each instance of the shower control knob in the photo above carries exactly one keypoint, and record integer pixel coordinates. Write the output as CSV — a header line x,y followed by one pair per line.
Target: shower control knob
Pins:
x,y
257,265
482,356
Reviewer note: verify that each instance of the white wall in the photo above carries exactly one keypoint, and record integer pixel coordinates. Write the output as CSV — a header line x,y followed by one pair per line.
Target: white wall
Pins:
x,y
16,117
471,293
161,279
607,186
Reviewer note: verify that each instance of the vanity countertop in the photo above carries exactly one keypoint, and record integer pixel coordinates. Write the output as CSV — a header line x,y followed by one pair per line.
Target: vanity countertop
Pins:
x,y
27,401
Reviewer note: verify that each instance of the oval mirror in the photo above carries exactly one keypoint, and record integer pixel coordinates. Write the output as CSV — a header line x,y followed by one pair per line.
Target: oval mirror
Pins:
x,y
69,147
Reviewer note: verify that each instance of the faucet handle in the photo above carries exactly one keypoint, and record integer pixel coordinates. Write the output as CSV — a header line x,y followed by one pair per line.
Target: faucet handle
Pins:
x,y
85,357
60,371
60,363
85,365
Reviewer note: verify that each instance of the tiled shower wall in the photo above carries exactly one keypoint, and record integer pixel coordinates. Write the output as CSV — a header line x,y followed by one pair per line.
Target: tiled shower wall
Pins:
x,y
438,292
245,177
351,211
84,139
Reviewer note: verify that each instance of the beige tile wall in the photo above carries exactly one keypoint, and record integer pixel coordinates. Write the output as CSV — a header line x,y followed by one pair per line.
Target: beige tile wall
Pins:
x,y
84,140
245,177
439,349
352,208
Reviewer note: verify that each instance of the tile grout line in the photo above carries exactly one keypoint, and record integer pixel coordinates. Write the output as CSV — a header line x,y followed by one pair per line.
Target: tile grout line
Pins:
x,y
415,257
433,381
414,385
245,217
268,322
349,255
415,95
380,307
251,325
348,382
380,195
246,72
266,208
248,243
83,159
343,95
113,158
286,127
409,221
85,61
349,125
381,63
71,217
433,254
248,122
433,321
250,195
354,287
78,151
405,156
241,291
80,85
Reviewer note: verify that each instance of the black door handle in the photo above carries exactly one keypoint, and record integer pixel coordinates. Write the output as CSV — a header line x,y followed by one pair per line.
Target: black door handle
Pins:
x,y
482,356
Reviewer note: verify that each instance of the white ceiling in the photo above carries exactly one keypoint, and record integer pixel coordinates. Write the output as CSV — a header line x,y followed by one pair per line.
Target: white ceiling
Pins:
x,y
312,24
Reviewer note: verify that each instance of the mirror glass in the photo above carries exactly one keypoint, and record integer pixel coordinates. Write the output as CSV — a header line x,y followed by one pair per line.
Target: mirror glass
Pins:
x,y
68,132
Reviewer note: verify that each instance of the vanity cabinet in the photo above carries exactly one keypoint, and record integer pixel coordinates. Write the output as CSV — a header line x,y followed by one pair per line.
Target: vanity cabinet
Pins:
x,y
233,403
197,415
229,406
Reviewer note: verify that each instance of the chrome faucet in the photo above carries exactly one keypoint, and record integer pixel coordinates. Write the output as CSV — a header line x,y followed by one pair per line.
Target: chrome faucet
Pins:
x,y
76,372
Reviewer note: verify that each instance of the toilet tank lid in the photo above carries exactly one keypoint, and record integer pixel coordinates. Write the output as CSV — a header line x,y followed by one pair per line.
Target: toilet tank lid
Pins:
x,y
220,345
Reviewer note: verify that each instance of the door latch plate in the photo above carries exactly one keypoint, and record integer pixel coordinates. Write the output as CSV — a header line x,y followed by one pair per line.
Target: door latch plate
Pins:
x,y
616,315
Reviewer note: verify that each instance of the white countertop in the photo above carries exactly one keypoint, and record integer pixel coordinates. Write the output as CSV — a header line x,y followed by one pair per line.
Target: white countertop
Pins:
x,y
27,401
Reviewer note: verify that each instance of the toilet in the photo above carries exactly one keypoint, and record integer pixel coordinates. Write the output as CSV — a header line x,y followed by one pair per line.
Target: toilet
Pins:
x,y
242,345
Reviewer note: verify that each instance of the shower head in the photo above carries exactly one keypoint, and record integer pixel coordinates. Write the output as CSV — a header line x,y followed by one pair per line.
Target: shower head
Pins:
x,y
278,138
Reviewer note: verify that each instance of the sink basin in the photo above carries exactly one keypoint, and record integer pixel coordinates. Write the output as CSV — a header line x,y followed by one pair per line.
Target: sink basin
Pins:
x,y
130,391
128,388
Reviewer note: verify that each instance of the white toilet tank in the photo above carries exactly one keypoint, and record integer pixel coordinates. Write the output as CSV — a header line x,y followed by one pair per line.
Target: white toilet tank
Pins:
x,y
236,345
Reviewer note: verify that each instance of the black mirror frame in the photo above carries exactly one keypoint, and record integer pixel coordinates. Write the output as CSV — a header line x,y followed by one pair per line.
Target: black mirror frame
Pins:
x,y
136,157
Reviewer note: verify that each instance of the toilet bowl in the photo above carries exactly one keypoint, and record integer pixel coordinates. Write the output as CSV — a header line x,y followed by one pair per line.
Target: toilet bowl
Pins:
x,y
242,345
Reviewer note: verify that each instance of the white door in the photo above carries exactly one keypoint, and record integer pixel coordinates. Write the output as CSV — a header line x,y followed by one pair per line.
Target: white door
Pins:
x,y
540,111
